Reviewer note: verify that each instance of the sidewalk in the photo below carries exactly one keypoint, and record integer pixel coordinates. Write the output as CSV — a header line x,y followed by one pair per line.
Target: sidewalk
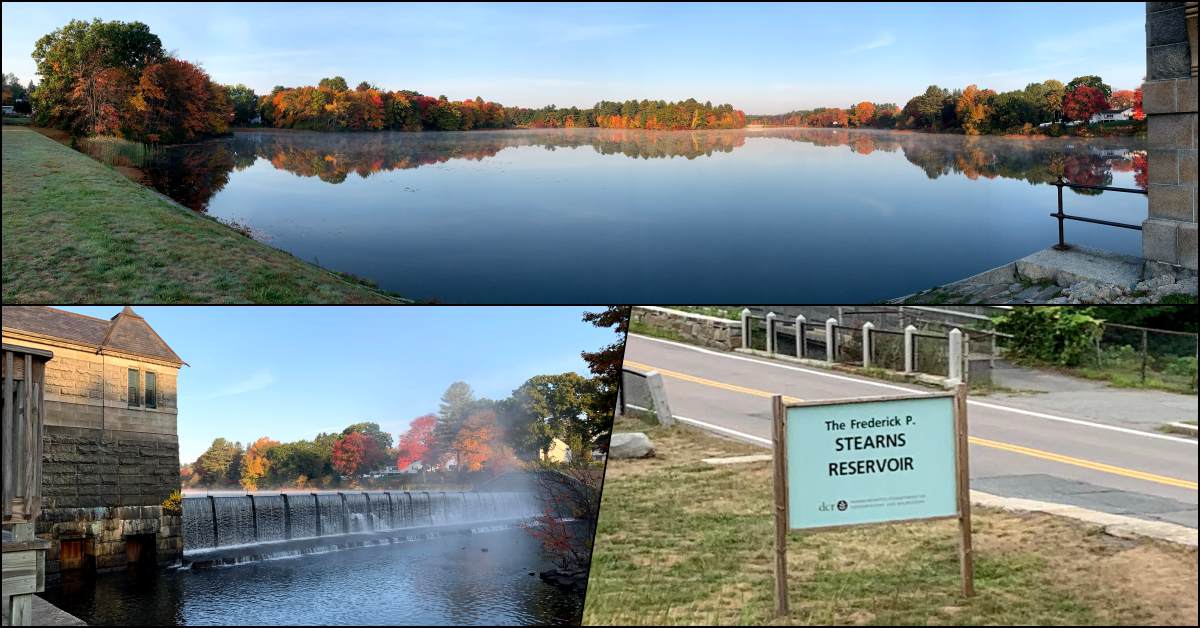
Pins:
x,y
1050,392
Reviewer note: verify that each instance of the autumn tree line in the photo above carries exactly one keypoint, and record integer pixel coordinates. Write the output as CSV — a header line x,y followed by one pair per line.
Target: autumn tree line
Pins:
x,y
467,433
976,111
115,78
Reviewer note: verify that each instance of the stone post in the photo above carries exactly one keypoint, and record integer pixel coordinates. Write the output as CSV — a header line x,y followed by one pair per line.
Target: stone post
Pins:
x,y
658,396
1169,101
746,328
830,339
956,361
800,336
909,356
867,327
770,333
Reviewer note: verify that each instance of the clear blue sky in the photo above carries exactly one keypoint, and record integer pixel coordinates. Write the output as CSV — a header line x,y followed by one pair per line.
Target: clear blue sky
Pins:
x,y
292,372
763,58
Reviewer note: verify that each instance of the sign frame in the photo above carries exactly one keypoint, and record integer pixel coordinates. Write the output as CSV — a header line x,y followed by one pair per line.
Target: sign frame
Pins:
x,y
962,480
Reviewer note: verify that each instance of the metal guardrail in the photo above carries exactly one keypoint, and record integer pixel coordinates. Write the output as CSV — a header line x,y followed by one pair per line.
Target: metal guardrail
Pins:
x,y
1060,184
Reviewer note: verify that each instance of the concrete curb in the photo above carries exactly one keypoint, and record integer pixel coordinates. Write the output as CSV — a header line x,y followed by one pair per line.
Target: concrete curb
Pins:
x,y
1116,525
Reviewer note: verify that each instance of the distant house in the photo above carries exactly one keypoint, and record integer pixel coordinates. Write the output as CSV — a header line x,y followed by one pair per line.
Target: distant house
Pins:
x,y
8,110
559,451
1112,115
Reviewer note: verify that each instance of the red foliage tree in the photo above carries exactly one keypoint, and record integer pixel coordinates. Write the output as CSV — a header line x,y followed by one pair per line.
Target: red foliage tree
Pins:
x,y
416,442
1138,114
349,452
1140,170
1082,102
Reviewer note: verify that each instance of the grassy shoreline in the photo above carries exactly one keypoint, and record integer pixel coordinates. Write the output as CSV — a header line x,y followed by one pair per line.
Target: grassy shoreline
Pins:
x,y
78,231
683,542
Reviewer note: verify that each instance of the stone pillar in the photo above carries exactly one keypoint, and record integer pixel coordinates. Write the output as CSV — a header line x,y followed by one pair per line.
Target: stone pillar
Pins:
x,y
955,368
1169,100
909,356
746,328
658,397
830,339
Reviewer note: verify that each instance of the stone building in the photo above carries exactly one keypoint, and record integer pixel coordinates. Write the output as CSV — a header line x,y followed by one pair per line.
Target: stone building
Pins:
x,y
110,454
1169,101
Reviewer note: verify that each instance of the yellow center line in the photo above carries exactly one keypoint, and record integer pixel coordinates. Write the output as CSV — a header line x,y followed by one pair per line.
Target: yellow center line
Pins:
x,y
708,382
1087,464
982,442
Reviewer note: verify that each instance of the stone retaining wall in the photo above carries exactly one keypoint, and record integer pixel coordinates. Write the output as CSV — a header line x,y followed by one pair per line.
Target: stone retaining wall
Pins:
x,y
698,329
102,487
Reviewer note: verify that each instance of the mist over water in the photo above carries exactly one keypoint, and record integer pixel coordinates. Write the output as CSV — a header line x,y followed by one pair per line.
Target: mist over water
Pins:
x,y
444,580
233,520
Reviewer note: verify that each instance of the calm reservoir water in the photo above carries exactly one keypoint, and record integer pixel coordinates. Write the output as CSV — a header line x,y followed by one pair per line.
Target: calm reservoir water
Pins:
x,y
447,580
587,215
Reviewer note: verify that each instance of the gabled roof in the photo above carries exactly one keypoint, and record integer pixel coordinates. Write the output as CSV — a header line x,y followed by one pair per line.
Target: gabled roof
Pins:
x,y
124,333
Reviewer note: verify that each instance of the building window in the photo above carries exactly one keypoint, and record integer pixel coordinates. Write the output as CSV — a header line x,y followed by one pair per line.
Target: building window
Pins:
x,y
151,391
135,390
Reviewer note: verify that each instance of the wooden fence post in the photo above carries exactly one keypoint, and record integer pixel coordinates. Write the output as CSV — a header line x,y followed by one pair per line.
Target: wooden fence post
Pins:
x,y
966,558
779,439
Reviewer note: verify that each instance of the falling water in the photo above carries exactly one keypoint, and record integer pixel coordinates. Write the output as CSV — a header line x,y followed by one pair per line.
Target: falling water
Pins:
x,y
235,521
212,522
269,517
198,522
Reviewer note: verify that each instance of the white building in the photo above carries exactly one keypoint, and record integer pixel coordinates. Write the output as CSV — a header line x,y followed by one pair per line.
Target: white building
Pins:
x,y
1112,115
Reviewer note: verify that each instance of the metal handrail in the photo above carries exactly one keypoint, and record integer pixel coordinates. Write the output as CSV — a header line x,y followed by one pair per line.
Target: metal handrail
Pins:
x,y
1060,184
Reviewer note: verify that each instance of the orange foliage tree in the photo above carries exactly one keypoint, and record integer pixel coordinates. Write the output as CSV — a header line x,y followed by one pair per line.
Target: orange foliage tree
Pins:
x,y
477,440
175,101
973,108
255,463
864,113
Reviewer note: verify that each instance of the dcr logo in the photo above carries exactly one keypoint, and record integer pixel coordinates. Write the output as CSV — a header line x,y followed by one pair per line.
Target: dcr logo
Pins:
x,y
841,505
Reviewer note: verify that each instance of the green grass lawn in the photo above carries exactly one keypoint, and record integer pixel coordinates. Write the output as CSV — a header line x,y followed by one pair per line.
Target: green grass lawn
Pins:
x,y
683,542
77,231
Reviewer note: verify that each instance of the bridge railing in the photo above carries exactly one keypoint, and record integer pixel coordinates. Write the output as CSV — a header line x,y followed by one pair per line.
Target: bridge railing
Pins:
x,y
908,351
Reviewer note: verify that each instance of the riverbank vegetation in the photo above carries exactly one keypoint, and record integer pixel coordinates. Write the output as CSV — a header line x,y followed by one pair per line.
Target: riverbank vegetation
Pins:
x,y
76,231
1046,108
680,541
1107,343
467,434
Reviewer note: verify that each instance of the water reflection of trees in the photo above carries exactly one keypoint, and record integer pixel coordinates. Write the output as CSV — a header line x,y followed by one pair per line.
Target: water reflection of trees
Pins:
x,y
194,174
1032,160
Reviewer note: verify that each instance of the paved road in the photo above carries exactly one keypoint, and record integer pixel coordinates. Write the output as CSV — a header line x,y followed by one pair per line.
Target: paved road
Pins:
x,y
1015,452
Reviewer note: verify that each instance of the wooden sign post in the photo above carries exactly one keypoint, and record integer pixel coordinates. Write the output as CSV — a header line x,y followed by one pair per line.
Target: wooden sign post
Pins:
x,y
871,460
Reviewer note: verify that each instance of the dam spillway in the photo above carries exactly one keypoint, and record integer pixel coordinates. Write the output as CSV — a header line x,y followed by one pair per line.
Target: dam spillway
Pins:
x,y
213,522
